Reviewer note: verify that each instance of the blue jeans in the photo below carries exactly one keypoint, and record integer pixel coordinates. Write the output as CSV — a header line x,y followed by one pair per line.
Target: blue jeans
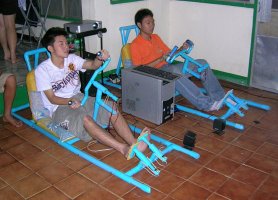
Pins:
x,y
190,91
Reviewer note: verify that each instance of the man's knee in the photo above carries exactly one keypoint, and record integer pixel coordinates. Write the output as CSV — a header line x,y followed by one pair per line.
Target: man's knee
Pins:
x,y
11,80
88,119
201,61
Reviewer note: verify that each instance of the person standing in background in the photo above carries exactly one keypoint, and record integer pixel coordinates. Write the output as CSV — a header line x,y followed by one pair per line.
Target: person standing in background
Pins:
x,y
8,37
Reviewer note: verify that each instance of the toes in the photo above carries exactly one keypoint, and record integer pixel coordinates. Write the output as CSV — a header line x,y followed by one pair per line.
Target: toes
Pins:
x,y
12,121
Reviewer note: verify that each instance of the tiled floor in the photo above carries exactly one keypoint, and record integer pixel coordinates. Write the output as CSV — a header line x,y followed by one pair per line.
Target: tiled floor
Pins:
x,y
237,165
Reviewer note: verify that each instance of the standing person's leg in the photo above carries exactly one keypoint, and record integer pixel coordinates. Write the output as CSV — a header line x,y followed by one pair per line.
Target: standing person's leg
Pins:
x,y
11,36
9,94
3,39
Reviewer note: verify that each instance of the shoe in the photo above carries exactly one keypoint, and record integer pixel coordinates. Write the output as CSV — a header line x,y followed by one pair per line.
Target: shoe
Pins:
x,y
213,106
218,104
231,101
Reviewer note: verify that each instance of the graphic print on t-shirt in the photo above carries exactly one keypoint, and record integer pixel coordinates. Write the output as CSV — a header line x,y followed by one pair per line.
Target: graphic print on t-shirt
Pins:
x,y
70,78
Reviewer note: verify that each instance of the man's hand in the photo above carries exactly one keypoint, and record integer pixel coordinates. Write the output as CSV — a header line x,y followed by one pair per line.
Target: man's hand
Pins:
x,y
185,45
104,55
165,56
97,62
74,104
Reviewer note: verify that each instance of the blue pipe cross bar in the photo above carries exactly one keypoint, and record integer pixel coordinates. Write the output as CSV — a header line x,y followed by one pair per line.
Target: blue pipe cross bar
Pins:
x,y
125,176
233,108
69,144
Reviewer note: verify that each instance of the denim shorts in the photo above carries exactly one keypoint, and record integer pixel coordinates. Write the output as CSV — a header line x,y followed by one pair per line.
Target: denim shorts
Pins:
x,y
8,7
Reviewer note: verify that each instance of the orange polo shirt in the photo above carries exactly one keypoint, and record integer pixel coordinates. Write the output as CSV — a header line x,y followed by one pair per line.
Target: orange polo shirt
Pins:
x,y
146,51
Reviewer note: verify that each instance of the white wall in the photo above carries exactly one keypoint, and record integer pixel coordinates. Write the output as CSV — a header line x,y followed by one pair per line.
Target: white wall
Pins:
x,y
115,16
222,34
112,17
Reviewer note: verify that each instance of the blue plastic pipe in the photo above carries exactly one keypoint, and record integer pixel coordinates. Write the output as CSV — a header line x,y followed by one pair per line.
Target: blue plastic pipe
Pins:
x,y
91,159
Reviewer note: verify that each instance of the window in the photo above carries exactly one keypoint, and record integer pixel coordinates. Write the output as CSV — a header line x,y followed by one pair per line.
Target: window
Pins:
x,y
274,4
63,9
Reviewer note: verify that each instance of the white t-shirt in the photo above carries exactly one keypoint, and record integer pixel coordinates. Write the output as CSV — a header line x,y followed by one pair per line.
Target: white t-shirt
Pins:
x,y
64,82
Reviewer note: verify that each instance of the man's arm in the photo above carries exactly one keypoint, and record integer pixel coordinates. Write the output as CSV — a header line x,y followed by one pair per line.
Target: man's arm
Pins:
x,y
157,61
97,62
154,58
60,100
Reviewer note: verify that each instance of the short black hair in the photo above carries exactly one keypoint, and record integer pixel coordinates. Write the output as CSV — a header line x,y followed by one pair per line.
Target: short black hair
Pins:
x,y
49,37
141,14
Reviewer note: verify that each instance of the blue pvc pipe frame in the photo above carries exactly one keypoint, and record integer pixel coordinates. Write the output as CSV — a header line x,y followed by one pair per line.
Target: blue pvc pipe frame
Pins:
x,y
125,176
240,103
125,32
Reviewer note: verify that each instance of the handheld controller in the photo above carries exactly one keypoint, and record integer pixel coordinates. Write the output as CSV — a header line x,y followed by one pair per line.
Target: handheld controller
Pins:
x,y
175,49
71,102
172,53
99,54
190,46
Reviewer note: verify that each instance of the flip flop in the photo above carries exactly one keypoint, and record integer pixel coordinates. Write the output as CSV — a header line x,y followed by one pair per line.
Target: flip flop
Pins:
x,y
141,136
131,153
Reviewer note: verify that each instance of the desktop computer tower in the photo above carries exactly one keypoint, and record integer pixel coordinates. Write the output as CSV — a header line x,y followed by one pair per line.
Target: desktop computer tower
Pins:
x,y
147,97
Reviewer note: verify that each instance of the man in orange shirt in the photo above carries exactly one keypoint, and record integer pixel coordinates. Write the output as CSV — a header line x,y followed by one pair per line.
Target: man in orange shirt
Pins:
x,y
149,49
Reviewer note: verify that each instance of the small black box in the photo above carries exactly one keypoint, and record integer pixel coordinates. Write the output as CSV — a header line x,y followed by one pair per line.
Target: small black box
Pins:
x,y
219,126
189,140
84,79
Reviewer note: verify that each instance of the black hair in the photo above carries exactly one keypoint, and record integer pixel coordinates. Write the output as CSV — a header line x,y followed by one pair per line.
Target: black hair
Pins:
x,y
49,37
141,14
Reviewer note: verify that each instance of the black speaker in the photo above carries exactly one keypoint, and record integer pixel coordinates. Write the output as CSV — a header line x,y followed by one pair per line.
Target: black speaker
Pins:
x,y
84,79
219,126
189,140
86,76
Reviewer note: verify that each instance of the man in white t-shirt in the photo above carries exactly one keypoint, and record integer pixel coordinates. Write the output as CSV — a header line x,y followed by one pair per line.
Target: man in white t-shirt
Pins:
x,y
57,79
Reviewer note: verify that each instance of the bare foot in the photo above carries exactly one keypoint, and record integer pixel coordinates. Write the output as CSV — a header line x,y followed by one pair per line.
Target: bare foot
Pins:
x,y
7,56
7,59
142,145
12,121
16,60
